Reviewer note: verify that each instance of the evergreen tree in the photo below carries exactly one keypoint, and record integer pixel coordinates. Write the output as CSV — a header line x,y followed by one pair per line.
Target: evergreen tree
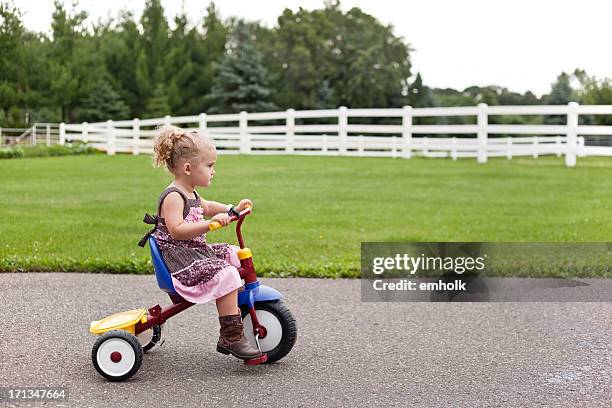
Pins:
x,y
206,55
120,47
561,91
560,94
102,103
419,95
151,60
158,105
155,39
179,66
11,62
69,60
242,80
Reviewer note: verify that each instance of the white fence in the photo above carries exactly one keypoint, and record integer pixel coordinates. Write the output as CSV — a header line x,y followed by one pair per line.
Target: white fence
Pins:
x,y
335,132
39,133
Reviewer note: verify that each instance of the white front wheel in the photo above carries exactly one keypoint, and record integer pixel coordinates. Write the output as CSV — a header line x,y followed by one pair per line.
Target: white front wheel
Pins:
x,y
280,328
273,327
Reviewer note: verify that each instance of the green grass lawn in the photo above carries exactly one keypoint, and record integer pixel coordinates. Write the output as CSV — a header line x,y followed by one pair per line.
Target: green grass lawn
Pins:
x,y
84,213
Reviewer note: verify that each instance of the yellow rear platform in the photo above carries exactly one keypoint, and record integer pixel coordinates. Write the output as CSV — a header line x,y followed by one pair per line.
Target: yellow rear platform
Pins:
x,y
119,321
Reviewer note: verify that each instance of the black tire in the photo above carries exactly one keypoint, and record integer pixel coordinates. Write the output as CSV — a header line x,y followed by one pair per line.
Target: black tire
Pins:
x,y
125,339
157,334
288,325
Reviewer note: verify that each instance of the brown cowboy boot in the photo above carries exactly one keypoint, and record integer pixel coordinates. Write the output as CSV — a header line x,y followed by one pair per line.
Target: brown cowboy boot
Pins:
x,y
232,339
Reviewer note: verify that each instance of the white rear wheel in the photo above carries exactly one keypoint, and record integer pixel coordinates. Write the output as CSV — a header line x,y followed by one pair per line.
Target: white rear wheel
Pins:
x,y
117,355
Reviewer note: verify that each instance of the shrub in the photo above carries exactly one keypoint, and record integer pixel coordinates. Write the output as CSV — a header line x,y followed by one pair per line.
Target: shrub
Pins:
x,y
11,152
46,151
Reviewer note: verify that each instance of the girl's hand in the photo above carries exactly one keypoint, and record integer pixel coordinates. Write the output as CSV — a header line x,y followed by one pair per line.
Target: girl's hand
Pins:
x,y
221,218
242,205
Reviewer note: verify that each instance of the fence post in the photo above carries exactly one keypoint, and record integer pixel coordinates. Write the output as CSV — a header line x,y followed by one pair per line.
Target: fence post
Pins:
x,y
62,133
48,135
482,132
202,125
394,147
360,145
84,132
407,131
535,147
167,120
290,123
325,149
454,148
572,133
509,148
1,141
245,146
425,151
136,136
110,134
558,145
342,128
33,135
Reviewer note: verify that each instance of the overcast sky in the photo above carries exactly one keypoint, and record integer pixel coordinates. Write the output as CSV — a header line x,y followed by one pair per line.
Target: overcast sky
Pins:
x,y
519,44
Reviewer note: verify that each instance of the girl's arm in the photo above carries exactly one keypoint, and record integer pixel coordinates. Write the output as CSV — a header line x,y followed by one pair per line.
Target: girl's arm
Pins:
x,y
172,210
212,208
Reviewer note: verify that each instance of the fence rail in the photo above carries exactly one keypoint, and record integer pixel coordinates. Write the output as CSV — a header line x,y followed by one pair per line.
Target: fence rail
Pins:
x,y
336,133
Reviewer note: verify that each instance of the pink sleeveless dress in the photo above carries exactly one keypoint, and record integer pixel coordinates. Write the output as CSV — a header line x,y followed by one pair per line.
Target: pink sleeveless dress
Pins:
x,y
200,271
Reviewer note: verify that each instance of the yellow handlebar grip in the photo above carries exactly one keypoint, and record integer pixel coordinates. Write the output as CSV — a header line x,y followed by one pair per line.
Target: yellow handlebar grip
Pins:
x,y
214,226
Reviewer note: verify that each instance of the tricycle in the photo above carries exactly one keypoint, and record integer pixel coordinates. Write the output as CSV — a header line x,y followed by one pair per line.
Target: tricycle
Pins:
x,y
125,337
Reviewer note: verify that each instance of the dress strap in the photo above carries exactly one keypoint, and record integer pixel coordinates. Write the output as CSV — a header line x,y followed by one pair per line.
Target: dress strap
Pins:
x,y
167,191
154,219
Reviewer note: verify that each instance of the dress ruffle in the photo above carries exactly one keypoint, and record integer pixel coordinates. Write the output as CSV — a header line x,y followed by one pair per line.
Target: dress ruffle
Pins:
x,y
224,282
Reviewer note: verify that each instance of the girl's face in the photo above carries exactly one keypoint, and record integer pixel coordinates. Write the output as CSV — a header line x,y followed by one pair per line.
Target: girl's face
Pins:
x,y
203,168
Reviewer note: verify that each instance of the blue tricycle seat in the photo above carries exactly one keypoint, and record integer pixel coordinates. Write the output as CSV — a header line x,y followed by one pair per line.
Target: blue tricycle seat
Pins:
x,y
164,281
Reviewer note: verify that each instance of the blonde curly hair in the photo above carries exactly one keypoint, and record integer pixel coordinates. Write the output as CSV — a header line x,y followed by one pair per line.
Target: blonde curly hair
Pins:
x,y
173,144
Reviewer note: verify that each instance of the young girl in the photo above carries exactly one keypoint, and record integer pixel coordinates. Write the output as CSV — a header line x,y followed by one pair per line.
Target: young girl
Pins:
x,y
200,271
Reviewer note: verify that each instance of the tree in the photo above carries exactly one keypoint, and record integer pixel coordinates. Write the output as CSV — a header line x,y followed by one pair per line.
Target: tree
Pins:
x,y
11,63
102,103
419,95
151,60
119,46
158,105
206,55
154,39
363,62
70,63
242,80
595,92
561,93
